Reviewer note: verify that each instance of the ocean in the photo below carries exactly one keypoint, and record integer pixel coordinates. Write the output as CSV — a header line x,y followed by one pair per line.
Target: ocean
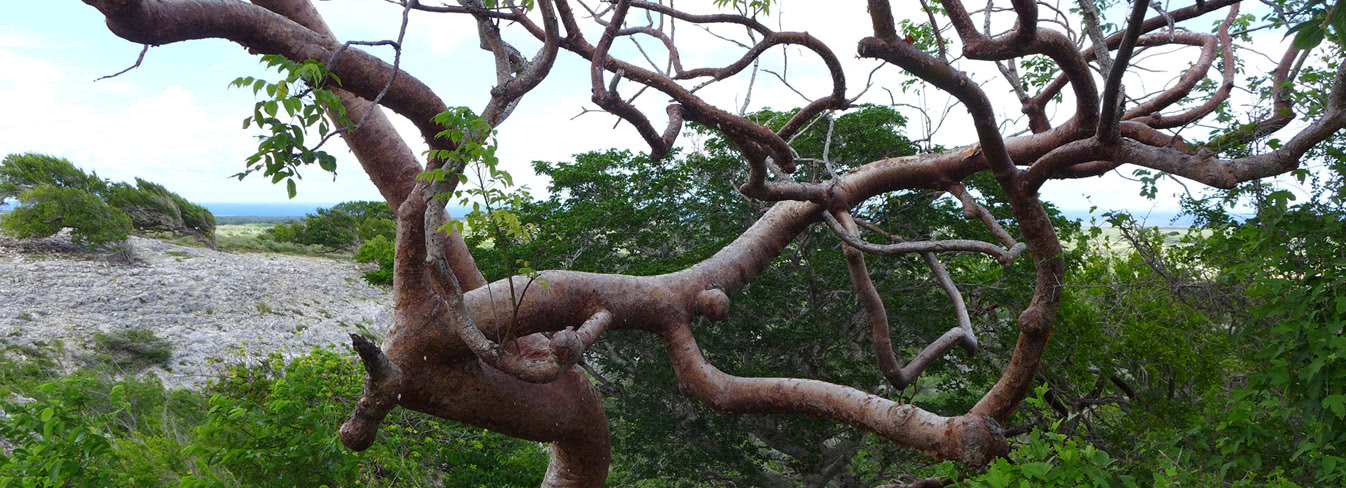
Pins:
x,y
246,209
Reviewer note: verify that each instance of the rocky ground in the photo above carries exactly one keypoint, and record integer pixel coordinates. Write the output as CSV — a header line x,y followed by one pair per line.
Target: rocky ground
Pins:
x,y
214,308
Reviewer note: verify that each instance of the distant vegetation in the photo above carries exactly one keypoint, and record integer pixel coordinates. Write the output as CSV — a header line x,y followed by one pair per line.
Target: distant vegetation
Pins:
x,y
54,194
240,220
367,227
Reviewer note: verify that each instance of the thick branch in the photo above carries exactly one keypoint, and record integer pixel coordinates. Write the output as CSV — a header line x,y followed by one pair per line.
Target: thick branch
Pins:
x,y
1108,131
973,440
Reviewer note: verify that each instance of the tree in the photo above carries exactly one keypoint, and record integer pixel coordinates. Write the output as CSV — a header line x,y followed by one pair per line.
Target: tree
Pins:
x,y
46,209
619,212
342,226
474,352
55,194
153,208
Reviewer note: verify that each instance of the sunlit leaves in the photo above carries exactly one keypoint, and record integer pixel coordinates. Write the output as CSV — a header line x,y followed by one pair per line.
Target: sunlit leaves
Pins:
x,y
490,193
291,107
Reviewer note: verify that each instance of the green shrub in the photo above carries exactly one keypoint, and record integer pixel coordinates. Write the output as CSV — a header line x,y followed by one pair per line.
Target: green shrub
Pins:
x,y
133,348
47,208
54,194
343,226
58,446
275,424
331,229
22,172
271,424
286,232
377,227
155,209
377,250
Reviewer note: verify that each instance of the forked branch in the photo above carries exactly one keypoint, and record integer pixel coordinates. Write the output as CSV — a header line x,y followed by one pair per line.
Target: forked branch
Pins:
x,y
902,376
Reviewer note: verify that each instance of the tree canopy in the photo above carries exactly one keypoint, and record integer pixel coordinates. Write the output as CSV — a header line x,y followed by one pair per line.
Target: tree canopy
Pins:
x,y
503,355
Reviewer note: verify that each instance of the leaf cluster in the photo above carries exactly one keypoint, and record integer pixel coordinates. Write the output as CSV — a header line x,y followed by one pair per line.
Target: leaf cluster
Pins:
x,y
291,106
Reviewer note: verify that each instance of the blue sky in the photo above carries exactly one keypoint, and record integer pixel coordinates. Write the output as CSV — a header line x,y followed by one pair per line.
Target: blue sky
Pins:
x,y
174,120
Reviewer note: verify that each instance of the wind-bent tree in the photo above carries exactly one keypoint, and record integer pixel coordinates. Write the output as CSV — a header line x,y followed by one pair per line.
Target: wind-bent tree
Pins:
x,y
54,194
475,352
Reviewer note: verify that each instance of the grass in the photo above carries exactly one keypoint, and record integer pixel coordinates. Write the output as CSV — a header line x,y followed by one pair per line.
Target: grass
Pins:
x,y
249,237
254,238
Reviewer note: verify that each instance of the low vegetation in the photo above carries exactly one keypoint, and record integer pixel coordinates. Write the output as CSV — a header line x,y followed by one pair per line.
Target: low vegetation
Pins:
x,y
268,423
132,349
366,227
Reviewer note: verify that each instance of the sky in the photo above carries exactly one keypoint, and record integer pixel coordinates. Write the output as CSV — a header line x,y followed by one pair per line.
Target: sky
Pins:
x,y
174,120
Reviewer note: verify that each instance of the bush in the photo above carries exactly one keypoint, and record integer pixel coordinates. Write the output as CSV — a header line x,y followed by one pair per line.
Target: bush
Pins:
x,y
54,194
378,227
21,172
47,208
287,232
275,424
57,446
331,229
343,226
133,348
155,209
380,250
271,424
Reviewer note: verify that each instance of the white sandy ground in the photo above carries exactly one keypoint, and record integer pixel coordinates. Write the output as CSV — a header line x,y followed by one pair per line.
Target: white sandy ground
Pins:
x,y
209,305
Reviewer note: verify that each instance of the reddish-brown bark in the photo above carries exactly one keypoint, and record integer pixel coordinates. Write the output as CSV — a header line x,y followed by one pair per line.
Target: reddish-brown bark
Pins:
x,y
473,352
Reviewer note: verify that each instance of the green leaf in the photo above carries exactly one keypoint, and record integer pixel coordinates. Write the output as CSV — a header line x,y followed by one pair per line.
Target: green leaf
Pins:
x,y
1338,20
1337,404
292,105
289,187
1310,37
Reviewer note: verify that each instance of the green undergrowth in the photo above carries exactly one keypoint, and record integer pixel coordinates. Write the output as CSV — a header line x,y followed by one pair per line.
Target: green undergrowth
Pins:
x,y
272,423
252,238
132,348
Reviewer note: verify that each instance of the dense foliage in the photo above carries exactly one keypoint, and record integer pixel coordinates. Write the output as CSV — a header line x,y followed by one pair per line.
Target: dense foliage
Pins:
x,y
367,227
54,194
1157,334
341,227
266,423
